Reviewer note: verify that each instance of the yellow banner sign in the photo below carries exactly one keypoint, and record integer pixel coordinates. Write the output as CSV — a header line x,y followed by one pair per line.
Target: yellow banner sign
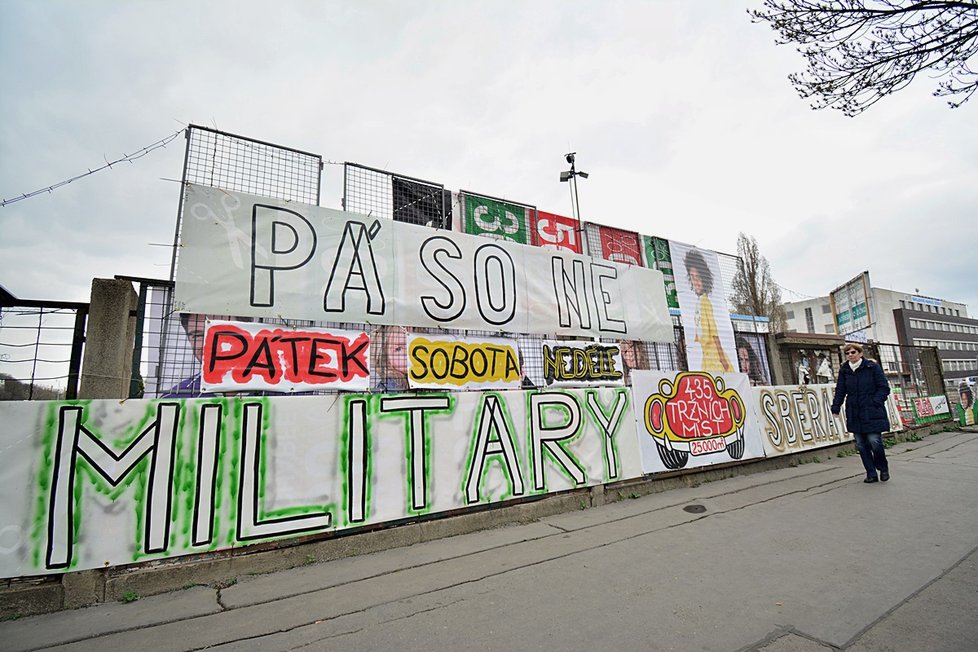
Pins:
x,y
472,363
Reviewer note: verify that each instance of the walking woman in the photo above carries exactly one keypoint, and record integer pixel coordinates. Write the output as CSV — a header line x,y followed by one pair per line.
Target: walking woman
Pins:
x,y
864,389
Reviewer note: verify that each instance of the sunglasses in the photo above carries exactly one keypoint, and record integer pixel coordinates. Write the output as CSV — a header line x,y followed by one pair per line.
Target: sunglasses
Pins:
x,y
851,352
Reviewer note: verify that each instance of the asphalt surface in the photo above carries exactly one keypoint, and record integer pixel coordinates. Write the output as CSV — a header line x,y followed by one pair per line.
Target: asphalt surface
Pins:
x,y
798,559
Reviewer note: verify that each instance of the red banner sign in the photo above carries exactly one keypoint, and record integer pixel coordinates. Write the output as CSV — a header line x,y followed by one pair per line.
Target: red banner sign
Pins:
x,y
240,355
558,232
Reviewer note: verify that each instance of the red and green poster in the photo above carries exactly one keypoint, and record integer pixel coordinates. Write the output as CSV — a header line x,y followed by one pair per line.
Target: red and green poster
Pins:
x,y
558,232
496,219
618,246
657,257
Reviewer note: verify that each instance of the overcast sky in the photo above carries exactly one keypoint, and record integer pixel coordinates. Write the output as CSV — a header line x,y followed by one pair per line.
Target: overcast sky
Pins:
x,y
680,111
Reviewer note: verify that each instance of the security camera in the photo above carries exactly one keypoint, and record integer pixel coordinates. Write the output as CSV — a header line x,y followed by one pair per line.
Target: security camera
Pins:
x,y
570,157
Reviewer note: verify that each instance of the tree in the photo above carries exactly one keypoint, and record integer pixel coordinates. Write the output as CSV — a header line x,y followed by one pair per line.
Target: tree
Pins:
x,y
860,51
755,292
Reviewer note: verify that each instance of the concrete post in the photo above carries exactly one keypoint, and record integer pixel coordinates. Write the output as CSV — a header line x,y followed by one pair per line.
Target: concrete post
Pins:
x,y
107,365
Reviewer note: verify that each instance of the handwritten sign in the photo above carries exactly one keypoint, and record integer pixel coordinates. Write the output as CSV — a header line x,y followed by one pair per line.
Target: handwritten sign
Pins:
x,y
92,484
252,356
470,363
694,419
257,257
573,363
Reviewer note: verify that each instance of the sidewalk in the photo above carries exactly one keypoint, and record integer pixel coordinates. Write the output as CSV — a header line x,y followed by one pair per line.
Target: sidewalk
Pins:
x,y
802,558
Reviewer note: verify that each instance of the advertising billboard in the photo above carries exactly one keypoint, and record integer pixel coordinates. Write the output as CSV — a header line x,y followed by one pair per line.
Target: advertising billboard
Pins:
x,y
851,306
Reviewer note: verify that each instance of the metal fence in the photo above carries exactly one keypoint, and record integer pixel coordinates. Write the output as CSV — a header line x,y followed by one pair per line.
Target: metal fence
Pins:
x,y
913,372
167,348
370,191
165,355
915,375
222,160
41,347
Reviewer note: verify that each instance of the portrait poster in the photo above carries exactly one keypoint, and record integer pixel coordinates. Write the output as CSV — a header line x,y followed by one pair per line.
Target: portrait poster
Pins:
x,y
705,317
752,359
388,358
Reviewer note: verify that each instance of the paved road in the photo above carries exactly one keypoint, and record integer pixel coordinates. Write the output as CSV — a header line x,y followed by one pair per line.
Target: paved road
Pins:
x,y
799,559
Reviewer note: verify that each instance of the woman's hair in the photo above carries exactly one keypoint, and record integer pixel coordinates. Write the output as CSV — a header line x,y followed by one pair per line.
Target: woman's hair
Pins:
x,y
380,356
694,259
966,393
754,373
639,352
852,347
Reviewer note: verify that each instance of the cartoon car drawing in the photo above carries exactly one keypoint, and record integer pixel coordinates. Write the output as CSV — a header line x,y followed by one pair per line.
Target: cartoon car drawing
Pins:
x,y
695,415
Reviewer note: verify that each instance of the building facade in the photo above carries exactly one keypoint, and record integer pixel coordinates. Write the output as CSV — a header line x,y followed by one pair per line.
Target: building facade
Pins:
x,y
904,319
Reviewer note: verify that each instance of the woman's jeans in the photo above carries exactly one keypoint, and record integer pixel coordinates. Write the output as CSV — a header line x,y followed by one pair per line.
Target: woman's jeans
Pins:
x,y
873,454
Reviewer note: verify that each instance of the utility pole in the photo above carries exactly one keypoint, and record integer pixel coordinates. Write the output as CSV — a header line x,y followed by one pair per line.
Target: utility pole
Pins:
x,y
571,175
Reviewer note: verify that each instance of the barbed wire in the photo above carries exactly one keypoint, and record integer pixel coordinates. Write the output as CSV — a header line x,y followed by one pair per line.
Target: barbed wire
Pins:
x,y
796,293
127,158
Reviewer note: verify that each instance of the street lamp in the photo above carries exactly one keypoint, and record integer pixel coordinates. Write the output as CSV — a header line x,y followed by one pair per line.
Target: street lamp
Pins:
x,y
571,175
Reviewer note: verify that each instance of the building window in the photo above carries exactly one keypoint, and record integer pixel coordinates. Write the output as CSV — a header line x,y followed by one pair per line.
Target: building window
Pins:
x,y
790,314
903,304
809,320
826,308
829,328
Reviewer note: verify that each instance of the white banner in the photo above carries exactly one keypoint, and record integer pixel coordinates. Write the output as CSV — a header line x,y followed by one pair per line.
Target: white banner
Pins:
x,y
795,418
931,406
693,418
798,417
710,344
90,484
252,256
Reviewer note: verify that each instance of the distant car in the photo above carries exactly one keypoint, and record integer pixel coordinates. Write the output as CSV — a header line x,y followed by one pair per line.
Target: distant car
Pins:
x,y
695,415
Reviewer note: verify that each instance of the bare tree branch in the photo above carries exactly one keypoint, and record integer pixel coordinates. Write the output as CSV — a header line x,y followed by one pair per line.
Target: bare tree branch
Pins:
x,y
859,51
755,292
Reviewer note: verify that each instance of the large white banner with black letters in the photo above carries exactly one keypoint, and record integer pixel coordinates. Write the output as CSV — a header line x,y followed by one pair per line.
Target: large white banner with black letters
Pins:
x,y
252,256
89,484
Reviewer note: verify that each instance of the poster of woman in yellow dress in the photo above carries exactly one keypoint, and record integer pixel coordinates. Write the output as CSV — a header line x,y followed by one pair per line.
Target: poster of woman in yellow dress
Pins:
x,y
705,316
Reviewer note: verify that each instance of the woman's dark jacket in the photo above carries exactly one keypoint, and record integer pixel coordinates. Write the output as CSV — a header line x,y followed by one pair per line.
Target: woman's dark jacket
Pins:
x,y
864,391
